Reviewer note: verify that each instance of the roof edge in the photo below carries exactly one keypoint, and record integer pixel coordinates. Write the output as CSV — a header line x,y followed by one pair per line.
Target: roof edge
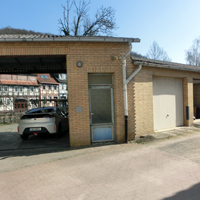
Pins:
x,y
164,64
23,38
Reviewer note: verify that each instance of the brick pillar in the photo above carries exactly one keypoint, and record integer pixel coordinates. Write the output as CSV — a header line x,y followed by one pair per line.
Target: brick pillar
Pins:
x,y
143,102
78,103
188,99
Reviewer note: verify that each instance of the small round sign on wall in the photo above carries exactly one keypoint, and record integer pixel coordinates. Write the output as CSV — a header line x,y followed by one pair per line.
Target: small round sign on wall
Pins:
x,y
79,64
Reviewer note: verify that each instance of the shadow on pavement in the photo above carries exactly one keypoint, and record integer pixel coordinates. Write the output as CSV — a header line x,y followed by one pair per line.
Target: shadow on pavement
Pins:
x,y
45,141
9,141
192,193
11,144
30,152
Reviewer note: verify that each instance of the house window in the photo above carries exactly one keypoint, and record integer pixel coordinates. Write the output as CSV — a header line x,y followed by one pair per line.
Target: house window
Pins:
x,y
1,102
55,87
50,98
49,87
15,88
20,88
44,76
43,87
0,88
7,101
44,97
5,88
31,89
62,76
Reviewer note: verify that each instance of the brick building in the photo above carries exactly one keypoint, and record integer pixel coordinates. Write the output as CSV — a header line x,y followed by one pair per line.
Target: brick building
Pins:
x,y
164,95
111,96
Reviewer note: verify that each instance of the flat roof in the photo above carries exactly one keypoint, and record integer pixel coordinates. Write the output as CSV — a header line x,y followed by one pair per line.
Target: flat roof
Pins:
x,y
59,38
164,64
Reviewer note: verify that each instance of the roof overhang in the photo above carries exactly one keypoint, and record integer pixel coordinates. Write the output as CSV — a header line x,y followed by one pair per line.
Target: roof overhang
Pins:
x,y
55,38
164,64
43,64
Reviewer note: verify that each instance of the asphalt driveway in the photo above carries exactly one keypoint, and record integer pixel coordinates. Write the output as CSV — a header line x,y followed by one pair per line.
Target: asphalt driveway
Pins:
x,y
162,167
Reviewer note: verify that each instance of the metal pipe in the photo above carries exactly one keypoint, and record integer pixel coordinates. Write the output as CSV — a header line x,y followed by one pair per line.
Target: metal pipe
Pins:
x,y
125,92
125,82
133,74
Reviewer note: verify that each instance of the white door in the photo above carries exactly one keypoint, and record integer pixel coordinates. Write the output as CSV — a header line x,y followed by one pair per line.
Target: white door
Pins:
x,y
167,102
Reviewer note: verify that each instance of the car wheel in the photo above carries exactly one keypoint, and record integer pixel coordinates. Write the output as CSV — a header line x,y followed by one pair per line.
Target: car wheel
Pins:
x,y
24,137
59,131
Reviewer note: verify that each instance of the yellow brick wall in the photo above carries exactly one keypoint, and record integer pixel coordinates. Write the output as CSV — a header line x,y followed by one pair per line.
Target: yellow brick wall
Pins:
x,y
96,58
143,101
143,96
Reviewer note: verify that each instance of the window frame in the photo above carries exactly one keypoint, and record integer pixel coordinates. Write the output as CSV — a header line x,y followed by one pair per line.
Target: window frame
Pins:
x,y
31,89
15,88
5,88
1,101
8,101
50,97
20,88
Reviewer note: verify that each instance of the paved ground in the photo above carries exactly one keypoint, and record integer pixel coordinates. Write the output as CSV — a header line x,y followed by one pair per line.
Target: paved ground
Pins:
x,y
10,140
152,169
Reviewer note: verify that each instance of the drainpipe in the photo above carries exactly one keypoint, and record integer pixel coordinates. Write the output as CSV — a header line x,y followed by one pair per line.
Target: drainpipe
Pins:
x,y
125,83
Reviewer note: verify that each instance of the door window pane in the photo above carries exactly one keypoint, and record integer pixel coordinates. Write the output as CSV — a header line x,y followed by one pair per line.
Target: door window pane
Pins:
x,y
100,79
101,106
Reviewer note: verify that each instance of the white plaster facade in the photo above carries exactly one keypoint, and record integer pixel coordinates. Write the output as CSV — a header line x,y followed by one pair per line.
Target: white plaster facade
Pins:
x,y
16,91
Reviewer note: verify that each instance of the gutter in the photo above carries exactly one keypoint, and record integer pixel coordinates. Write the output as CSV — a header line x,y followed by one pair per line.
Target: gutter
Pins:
x,y
125,83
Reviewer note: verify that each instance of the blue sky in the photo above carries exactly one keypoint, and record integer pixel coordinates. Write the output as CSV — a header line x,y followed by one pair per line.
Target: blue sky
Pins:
x,y
173,24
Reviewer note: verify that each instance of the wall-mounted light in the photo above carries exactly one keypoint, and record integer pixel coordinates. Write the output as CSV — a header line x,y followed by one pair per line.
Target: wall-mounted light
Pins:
x,y
79,64
116,57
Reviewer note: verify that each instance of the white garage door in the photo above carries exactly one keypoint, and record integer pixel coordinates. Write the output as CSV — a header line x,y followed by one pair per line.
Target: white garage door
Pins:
x,y
167,102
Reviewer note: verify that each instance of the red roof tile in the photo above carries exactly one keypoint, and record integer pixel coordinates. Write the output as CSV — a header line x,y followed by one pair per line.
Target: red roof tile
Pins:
x,y
18,82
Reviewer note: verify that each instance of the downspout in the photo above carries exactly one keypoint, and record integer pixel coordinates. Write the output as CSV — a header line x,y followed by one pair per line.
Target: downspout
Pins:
x,y
125,83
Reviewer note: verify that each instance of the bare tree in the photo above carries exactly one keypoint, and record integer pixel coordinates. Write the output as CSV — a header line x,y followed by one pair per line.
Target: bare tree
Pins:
x,y
193,54
64,24
102,24
157,53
